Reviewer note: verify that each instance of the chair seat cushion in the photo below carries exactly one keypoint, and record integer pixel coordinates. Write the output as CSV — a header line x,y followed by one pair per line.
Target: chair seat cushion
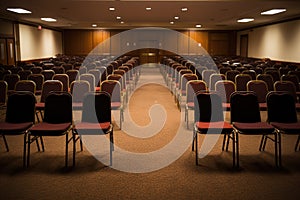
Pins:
x,y
14,128
226,106
288,128
47,129
40,106
254,128
92,128
116,105
190,105
213,127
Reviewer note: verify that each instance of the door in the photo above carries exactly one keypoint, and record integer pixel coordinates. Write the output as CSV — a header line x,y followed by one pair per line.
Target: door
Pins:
x,y
10,46
244,46
3,52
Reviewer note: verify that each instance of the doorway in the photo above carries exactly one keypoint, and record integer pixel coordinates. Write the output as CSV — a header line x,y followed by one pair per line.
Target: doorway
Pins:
x,y
244,45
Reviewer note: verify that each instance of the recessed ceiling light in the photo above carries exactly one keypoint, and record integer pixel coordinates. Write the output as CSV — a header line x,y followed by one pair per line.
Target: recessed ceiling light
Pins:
x,y
273,11
94,25
184,9
112,9
245,20
118,17
148,8
176,17
19,10
48,19
198,25
172,22
122,22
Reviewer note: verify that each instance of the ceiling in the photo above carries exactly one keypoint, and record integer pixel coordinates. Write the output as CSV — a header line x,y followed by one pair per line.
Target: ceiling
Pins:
x,y
211,14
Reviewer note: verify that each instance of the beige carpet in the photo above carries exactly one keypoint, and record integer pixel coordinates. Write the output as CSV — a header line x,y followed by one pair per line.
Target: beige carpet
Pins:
x,y
182,179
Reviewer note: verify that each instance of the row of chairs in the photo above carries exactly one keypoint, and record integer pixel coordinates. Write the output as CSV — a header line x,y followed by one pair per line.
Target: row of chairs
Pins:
x,y
245,119
58,120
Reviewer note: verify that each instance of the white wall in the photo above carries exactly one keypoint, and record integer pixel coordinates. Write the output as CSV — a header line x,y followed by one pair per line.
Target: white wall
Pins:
x,y
278,42
37,44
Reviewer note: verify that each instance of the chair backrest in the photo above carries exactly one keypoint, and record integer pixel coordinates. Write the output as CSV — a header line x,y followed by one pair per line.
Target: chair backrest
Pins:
x,y
67,66
193,87
292,78
223,70
206,75
260,88
185,78
48,74
281,107
36,70
97,75
73,75
82,70
11,80
208,108
58,108
252,73
38,79
50,86
58,70
113,88
215,78
286,86
224,89
230,75
24,74
102,70
241,81
20,107
3,91
78,89
275,74
64,79
96,108
90,78
244,107
268,79
26,85
117,77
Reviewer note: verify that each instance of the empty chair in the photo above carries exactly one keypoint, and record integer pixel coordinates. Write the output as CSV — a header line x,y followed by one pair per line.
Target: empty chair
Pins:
x,y
64,79
230,75
223,70
36,70
78,89
97,75
67,66
192,88
261,90
73,75
274,73
209,119
241,81
39,81
181,92
286,86
19,117
224,89
25,85
292,78
113,88
11,80
282,115
246,119
95,120
57,122
206,75
48,74
268,79
58,70
215,78
82,70
24,74
90,78
3,93
199,70
252,73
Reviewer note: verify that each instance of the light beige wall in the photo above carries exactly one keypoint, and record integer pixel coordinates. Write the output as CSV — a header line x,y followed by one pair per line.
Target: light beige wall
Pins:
x,y
277,42
37,44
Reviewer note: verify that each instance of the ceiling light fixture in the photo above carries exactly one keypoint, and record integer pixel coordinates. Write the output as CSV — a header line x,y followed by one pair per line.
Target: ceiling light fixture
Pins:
x,y
172,22
273,11
198,25
118,17
176,17
148,8
94,25
19,10
48,19
184,9
122,22
112,9
245,20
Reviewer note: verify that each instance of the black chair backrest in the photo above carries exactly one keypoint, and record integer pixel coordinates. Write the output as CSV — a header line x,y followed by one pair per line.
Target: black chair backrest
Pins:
x,y
58,108
208,107
244,107
281,107
20,107
96,108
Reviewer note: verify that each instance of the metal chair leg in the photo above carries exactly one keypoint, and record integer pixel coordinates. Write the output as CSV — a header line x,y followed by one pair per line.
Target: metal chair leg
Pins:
x,y
5,143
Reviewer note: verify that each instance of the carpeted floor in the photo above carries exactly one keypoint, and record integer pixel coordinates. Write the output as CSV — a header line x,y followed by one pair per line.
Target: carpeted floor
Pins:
x,y
153,159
